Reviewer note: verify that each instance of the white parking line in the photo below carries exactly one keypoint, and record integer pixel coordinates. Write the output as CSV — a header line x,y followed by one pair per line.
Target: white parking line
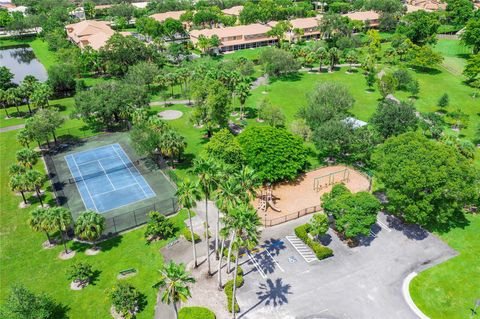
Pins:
x,y
383,226
372,233
274,260
257,266
301,248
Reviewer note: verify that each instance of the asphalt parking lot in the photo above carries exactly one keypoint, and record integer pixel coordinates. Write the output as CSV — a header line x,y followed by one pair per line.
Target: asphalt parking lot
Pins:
x,y
360,282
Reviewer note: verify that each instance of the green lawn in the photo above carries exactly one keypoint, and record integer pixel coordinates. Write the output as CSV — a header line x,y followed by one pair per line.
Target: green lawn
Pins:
x,y
24,261
449,290
454,53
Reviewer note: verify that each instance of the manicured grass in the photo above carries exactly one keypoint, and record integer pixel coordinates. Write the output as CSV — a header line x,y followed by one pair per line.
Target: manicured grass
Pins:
x,y
449,290
454,53
251,54
24,261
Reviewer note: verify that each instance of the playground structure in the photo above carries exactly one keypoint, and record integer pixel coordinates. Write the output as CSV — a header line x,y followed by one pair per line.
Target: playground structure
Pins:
x,y
266,198
341,176
285,201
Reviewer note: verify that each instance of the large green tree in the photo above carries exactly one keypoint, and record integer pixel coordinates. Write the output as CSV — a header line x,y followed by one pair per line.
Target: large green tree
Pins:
x,y
111,103
277,62
224,147
426,182
394,118
21,303
90,226
354,214
471,34
274,153
420,27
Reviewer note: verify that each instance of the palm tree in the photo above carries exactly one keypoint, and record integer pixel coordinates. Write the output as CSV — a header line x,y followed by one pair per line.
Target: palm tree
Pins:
x,y
4,103
206,169
322,56
38,221
248,181
13,98
333,54
242,90
27,157
35,180
351,58
175,280
62,219
246,222
90,226
18,184
188,193
203,43
228,196
225,232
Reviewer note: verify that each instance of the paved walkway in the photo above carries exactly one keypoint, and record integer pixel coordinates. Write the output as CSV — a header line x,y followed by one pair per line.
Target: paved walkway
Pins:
x,y
11,128
157,103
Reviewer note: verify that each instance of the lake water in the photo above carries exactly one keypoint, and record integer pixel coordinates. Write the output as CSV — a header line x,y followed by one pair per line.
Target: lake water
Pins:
x,y
22,62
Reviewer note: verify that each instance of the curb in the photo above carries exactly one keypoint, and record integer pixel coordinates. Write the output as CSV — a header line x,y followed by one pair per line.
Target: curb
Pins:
x,y
408,298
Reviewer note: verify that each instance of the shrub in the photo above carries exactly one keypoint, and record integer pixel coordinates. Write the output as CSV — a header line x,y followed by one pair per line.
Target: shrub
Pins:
x,y
126,299
404,78
80,272
159,227
229,292
195,313
320,251
239,271
188,235
302,232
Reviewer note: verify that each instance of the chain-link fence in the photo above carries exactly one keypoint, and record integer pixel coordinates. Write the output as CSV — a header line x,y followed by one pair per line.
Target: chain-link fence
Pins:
x,y
117,220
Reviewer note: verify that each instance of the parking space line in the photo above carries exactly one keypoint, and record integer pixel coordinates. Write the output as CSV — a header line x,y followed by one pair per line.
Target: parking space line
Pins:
x,y
274,260
255,263
301,248
372,233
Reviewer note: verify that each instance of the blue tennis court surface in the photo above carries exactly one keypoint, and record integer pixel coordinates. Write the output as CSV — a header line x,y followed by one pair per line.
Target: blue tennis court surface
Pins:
x,y
107,179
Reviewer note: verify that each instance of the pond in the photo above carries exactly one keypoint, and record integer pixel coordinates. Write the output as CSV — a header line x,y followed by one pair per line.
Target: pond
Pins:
x,y
22,62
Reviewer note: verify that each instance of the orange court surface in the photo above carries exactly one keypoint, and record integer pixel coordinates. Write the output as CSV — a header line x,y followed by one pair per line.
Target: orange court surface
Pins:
x,y
299,197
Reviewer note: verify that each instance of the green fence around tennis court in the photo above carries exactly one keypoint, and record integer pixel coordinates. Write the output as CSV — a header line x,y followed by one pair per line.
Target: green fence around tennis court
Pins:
x,y
118,220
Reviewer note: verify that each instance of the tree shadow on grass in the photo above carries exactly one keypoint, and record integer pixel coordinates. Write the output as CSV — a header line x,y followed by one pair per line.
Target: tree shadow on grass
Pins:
x,y
94,278
293,77
111,243
60,311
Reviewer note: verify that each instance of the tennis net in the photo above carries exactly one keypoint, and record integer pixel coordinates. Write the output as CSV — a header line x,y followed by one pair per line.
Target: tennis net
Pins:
x,y
129,165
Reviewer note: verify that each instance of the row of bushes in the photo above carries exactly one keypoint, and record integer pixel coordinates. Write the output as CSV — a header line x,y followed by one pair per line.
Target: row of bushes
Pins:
x,y
195,313
320,251
229,290
188,235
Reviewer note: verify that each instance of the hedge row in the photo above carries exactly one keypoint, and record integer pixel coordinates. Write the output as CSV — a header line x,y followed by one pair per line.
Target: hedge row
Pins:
x,y
188,235
229,290
195,313
320,251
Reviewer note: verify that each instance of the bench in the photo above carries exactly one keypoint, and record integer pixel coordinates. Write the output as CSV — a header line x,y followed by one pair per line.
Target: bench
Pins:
x,y
128,271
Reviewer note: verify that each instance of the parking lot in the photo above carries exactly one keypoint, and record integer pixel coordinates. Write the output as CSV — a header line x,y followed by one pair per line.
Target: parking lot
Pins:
x,y
360,282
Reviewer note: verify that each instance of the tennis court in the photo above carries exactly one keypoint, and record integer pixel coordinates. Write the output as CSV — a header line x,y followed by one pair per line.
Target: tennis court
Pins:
x,y
106,178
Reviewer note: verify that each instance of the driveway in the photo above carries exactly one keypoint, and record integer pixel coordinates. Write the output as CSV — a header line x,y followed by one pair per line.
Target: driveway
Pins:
x,y
361,282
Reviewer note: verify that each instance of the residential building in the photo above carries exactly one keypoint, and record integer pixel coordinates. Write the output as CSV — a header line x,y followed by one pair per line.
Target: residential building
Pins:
x,y
309,26
237,37
160,17
92,33
368,17
233,11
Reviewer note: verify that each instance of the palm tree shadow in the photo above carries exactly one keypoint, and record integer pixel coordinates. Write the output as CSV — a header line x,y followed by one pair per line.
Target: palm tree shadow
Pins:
x,y
271,293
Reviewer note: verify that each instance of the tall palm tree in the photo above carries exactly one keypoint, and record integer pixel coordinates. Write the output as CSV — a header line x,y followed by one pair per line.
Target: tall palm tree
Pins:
x,y
62,219
4,103
175,280
206,169
27,157
18,183
249,182
28,85
242,90
13,98
188,193
90,226
333,55
225,232
246,221
38,221
322,55
228,196
35,181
